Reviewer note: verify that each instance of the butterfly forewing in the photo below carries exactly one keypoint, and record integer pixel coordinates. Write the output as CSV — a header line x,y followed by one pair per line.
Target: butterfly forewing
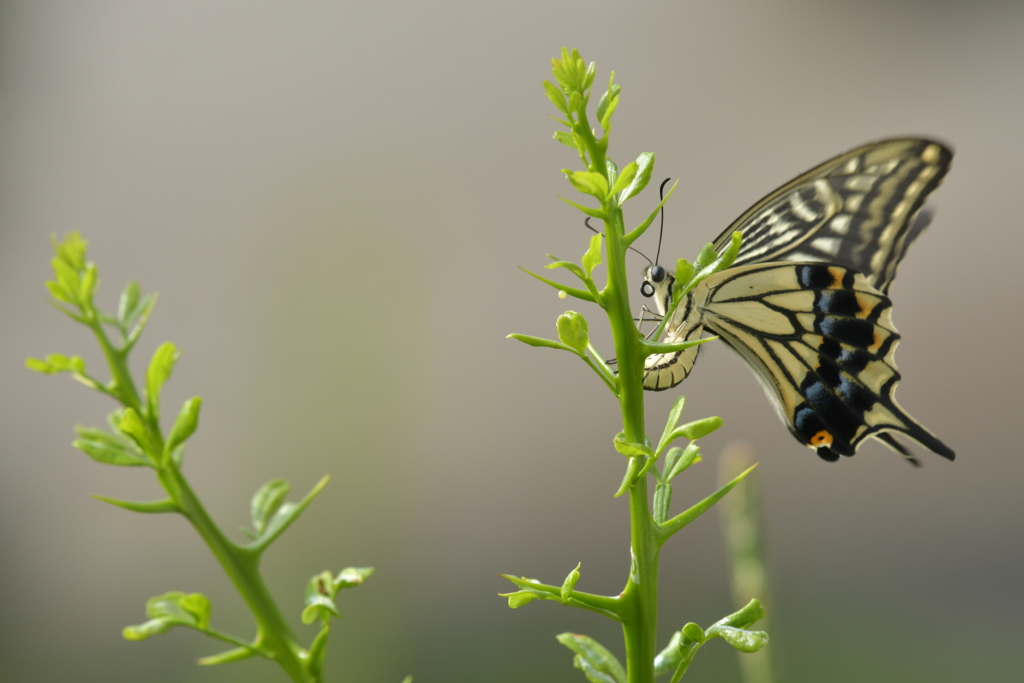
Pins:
x,y
857,210
821,340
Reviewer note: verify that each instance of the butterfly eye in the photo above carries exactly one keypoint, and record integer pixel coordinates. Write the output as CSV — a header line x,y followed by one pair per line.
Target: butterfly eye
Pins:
x,y
647,289
657,273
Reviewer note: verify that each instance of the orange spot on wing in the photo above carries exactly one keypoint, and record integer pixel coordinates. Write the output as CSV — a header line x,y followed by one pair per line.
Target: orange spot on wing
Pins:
x,y
822,438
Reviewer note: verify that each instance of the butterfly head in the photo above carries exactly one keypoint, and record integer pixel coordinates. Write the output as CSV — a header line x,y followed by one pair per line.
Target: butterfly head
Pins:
x,y
658,284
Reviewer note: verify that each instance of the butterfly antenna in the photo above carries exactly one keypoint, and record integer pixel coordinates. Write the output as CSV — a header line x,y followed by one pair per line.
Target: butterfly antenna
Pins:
x,y
586,222
661,230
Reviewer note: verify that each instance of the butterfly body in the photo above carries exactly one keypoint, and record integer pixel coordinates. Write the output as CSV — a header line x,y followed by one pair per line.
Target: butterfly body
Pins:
x,y
805,302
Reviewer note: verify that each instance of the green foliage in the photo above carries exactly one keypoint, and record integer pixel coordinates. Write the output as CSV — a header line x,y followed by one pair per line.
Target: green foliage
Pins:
x,y
733,629
136,438
597,663
169,610
635,607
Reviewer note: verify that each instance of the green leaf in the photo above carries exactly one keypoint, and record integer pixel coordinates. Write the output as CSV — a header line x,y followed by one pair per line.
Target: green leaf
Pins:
x,y
56,362
669,658
591,672
68,279
519,598
732,251
320,599
318,651
694,632
568,265
588,182
707,256
141,313
266,502
706,268
744,641
149,507
595,213
57,291
233,655
698,429
541,342
131,425
684,458
588,77
153,627
662,500
39,365
285,517
573,331
100,436
670,424
750,614
635,233
607,98
571,291
625,178
570,582
566,139
592,259
671,458
71,249
611,170
88,286
350,577
556,96
630,449
606,119
684,273
169,610
644,167
107,454
632,469
158,372
652,348
594,654
681,520
198,605
128,301
185,425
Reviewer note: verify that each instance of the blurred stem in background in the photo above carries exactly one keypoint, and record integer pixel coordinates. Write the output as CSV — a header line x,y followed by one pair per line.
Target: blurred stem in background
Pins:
x,y
136,438
742,526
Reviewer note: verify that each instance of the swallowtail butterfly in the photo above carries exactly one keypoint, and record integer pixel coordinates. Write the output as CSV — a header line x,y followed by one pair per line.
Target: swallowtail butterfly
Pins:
x,y
805,303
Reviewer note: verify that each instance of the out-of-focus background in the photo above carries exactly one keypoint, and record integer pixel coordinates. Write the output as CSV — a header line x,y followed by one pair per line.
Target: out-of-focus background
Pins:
x,y
333,198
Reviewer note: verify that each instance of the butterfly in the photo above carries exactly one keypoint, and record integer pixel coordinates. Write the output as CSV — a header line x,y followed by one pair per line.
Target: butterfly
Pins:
x,y
805,302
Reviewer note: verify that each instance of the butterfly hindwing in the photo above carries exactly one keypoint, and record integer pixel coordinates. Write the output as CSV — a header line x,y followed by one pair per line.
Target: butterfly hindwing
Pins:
x,y
822,342
857,210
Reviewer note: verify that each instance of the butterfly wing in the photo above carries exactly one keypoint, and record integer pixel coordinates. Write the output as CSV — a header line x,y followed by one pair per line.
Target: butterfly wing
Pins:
x,y
664,371
821,340
857,210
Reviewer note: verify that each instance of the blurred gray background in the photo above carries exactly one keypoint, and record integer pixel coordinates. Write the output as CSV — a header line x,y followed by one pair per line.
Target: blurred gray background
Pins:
x,y
333,198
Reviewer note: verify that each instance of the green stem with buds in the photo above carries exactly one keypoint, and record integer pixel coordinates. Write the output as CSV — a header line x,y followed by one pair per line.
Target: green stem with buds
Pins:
x,y
637,606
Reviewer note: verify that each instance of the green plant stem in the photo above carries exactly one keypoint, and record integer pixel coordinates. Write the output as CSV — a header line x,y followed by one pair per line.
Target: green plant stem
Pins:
x,y
240,564
123,387
641,628
640,597
242,567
